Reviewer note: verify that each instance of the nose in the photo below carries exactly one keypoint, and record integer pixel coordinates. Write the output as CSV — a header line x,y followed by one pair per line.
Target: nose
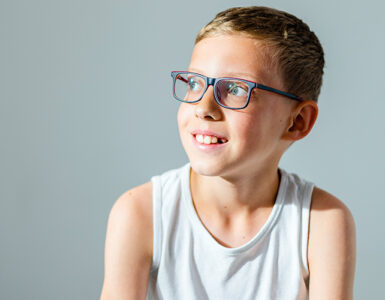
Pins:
x,y
208,107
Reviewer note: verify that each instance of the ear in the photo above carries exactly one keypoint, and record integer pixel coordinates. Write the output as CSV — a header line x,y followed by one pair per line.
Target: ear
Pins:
x,y
301,120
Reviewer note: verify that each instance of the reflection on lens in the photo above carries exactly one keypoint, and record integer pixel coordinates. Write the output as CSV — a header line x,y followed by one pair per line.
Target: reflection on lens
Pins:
x,y
232,93
189,87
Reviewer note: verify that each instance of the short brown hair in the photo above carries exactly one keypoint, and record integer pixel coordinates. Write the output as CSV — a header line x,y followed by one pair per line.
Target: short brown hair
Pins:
x,y
294,47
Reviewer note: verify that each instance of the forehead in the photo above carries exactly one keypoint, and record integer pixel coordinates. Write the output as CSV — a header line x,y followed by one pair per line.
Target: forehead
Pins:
x,y
236,56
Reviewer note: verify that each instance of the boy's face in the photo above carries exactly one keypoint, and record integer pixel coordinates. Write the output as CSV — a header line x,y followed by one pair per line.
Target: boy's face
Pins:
x,y
254,133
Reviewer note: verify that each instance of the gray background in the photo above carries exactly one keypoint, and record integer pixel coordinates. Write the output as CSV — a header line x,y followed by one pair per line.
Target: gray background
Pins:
x,y
86,113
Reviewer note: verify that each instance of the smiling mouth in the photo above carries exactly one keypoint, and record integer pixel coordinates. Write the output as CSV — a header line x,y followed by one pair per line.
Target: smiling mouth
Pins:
x,y
207,139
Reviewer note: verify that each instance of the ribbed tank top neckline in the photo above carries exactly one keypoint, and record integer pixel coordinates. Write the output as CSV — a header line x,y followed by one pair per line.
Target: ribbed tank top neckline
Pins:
x,y
196,222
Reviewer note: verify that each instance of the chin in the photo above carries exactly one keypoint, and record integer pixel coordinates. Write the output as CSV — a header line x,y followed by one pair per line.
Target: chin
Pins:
x,y
201,163
205,168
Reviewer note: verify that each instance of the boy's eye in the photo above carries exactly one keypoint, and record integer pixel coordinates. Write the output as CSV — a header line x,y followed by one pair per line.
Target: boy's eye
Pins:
x,y
236,89
193,84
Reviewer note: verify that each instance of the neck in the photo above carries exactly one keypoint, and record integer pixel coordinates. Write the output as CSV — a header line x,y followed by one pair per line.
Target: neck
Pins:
x,y
224,197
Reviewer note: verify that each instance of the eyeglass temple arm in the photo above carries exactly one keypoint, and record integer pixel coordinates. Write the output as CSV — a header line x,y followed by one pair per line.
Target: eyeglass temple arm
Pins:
x,y
267,88
181,78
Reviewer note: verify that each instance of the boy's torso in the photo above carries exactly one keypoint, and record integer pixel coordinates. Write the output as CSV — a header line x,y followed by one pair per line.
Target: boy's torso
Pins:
x,y
230,236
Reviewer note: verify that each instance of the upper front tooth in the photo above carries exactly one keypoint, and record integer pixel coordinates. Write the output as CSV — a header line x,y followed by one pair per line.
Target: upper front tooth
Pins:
x,y
199,138
207,140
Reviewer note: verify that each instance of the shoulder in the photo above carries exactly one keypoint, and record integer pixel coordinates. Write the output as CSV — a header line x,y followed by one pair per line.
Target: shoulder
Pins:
x,y
137,197
128,246
326,207
332,247
134,207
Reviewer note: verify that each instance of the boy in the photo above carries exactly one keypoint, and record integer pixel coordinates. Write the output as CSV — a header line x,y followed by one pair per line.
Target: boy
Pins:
x,y
231,224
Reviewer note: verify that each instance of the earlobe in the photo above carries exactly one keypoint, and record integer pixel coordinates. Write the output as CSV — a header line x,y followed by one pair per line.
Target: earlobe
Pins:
x,y
302,120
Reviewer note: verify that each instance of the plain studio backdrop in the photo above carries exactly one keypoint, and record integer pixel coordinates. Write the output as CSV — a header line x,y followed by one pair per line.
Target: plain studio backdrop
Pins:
x,y
86,113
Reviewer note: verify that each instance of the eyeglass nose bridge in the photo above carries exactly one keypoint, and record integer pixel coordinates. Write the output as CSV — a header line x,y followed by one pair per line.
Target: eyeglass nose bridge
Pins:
x,y
210,81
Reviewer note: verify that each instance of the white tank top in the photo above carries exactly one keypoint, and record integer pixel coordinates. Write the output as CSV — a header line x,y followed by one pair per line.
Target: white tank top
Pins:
x,y
188,263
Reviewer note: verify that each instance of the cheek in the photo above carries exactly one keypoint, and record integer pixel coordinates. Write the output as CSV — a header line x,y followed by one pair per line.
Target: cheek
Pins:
x,y
183,115
178,116
248,128
252,131
183,119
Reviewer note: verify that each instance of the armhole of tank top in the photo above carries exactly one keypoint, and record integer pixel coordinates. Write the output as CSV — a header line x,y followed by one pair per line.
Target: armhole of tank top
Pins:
x,y
307,195
156,220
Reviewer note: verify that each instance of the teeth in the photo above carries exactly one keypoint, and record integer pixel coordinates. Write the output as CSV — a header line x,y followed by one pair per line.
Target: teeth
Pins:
x,y
207,139
199,138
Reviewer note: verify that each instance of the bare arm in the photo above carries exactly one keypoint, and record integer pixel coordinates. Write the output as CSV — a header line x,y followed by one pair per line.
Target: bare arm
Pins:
x,y
128,247
332,249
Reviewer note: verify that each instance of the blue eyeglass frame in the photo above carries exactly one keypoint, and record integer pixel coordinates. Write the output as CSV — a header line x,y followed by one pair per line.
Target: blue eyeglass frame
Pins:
x,y
213,81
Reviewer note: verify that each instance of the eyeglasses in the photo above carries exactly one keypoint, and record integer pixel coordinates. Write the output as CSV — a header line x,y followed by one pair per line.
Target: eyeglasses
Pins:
x,y
229,92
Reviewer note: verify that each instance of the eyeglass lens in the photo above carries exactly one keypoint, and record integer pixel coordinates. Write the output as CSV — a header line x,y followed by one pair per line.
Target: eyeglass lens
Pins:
x,y
229,92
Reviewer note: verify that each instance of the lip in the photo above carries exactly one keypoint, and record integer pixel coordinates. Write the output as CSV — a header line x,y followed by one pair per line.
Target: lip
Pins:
x,y
206,147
